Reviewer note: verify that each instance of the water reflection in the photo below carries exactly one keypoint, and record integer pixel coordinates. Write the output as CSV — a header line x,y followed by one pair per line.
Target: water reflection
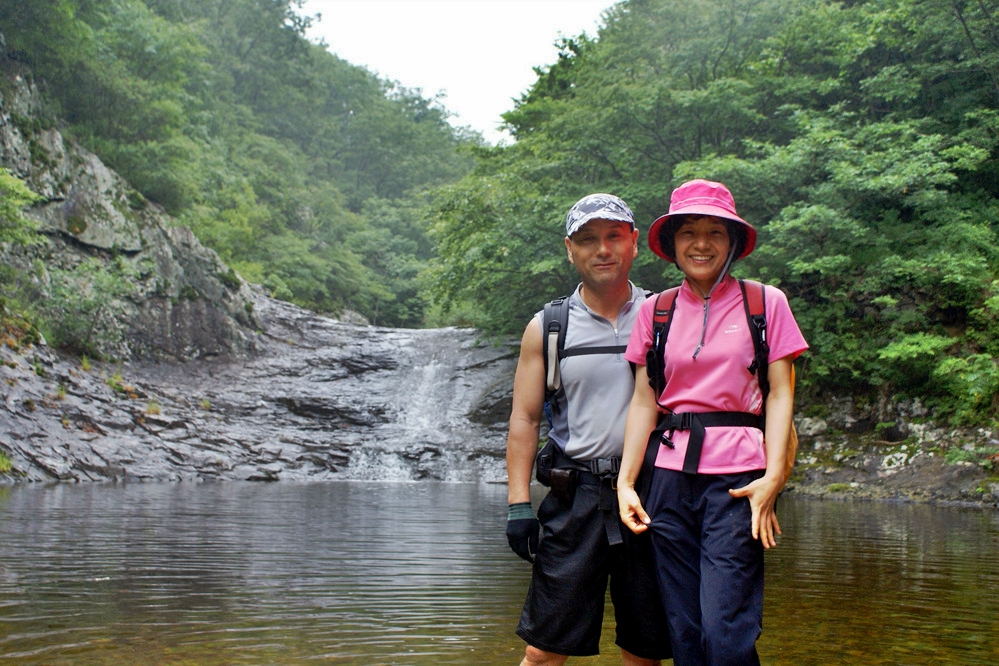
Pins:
x,y
879,583
420,573
242,573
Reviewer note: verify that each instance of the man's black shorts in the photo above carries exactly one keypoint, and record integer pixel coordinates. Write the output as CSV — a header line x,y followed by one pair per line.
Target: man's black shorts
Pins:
x,y
565,603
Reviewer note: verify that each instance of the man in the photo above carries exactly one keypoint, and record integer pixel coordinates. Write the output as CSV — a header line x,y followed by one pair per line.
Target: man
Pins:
x,y
582,542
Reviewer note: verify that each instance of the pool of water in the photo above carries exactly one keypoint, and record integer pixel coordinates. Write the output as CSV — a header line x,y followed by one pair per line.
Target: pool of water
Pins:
x,y
420,573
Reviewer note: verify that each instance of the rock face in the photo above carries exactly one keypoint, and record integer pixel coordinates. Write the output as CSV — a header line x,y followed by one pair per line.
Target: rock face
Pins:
x,y
908,457
218,381
319,400
186,302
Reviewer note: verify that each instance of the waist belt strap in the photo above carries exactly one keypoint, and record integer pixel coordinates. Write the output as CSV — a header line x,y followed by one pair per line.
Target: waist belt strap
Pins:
x,y
696,422
598,467
656,437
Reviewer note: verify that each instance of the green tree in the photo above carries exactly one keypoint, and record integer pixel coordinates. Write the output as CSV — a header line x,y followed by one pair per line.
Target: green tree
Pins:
x,y
84,309
859,138
267,146
16,231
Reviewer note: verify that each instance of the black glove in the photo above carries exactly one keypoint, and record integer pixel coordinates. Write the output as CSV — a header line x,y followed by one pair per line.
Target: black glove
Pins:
x,y
522,530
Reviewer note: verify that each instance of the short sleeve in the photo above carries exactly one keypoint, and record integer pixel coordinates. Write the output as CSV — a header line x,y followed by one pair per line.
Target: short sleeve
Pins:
x,y
784,336
641,333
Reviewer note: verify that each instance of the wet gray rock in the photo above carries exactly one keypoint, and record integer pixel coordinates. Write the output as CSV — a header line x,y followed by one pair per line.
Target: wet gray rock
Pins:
x,y
916,469
319,399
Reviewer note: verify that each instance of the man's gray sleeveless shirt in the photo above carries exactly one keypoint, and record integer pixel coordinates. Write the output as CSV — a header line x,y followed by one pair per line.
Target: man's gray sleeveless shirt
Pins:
x,y
596,388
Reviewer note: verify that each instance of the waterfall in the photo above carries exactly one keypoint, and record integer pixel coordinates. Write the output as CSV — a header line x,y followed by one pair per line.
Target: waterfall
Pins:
x,y
441,404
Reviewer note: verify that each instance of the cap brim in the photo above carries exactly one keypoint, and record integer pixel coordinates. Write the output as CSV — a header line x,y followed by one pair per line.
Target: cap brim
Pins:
x,y
599,215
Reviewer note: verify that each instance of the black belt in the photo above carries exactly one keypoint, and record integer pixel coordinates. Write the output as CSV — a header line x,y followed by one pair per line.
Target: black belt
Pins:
x,y
696,422
599,468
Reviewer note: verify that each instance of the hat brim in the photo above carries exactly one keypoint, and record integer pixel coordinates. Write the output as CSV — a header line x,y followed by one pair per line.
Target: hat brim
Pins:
x,y
714,211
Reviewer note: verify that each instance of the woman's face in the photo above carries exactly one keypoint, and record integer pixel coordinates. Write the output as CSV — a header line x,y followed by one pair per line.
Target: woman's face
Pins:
x,y
702,246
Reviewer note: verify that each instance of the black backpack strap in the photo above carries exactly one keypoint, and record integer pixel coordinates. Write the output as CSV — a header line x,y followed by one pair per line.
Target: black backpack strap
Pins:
x,y
583,351
656,437
655,358
555,321
754,301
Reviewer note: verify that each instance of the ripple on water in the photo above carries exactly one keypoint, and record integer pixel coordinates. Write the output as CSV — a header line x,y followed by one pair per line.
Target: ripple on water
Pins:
x,y
420,573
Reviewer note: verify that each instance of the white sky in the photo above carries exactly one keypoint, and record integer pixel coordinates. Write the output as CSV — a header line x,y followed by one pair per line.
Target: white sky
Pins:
x,y
479,53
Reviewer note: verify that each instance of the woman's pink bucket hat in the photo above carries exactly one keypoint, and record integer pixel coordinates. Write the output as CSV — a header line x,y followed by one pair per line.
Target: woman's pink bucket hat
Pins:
x,y
701,197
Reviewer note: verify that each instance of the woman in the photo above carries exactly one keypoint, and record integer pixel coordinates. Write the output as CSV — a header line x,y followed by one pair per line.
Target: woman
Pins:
x,y
710,526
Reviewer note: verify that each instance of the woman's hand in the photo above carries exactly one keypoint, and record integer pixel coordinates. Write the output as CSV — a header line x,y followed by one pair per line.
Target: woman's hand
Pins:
x,y
632,513
762,495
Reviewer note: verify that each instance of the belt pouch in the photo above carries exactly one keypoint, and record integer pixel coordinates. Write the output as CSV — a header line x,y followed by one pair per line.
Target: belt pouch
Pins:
x,y
564,484
543,463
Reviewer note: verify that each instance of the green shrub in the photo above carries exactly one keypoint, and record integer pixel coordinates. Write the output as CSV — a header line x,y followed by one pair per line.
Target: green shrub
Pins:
x,y
15,196
969,388
230,279
910,360
85,311
983,456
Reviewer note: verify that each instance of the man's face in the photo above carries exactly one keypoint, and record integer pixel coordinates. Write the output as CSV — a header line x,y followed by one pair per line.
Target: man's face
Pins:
x,y
602,251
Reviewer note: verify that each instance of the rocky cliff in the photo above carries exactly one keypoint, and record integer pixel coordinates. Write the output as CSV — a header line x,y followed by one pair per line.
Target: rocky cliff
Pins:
x,y
318,400
214,380
186,303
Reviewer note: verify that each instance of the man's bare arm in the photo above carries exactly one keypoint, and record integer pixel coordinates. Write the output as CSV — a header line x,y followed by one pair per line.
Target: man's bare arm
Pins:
x,y
525,417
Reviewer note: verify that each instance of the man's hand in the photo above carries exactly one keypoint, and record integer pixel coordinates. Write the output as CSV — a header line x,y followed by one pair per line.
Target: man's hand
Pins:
x,y
523,530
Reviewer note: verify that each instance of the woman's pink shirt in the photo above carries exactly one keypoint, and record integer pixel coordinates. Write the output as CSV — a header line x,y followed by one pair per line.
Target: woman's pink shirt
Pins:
x,y
718,380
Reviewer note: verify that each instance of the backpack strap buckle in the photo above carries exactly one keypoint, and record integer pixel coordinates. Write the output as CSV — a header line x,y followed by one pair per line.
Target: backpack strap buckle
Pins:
x,y
682,421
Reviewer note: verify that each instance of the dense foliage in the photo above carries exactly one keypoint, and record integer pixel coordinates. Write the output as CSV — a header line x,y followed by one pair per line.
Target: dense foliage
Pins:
x,y
305,173
859,137
15,196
